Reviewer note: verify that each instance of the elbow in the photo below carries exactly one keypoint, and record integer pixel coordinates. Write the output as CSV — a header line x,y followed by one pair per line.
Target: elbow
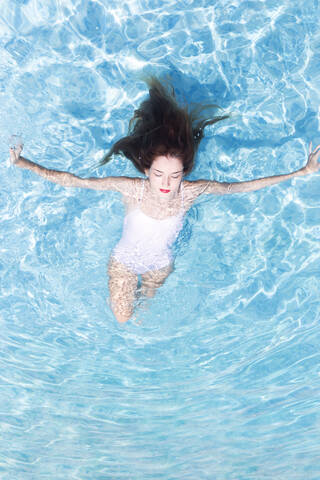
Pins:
x,y
70,180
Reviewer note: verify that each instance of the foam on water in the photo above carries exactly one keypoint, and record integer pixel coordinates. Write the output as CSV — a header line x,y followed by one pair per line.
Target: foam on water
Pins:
x,y
218,375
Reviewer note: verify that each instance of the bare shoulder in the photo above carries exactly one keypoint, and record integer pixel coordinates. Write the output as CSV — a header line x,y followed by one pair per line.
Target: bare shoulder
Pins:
x,y
131,188
203,187
124,185
194,188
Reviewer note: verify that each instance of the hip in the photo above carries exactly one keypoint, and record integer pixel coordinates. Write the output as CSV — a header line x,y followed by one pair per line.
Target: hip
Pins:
x,y
142,262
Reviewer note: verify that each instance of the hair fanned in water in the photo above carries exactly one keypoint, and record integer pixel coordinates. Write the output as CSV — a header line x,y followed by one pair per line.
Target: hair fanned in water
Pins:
x,y
160,126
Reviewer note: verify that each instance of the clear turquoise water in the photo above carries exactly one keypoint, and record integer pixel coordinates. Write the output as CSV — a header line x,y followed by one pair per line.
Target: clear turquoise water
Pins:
x,y
219,377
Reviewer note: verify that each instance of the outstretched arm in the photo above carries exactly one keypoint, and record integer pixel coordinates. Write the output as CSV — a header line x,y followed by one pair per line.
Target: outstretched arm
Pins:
x,y
66,179
224,188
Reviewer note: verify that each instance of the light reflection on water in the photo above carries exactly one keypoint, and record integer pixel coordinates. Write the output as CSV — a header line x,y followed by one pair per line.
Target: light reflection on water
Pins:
x,y
218,376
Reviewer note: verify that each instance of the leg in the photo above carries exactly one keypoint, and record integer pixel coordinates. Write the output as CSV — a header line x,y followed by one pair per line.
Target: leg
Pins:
x,y
154,279
122,287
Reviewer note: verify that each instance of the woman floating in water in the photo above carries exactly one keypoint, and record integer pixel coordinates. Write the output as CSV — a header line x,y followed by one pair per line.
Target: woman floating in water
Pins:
x,y
162,142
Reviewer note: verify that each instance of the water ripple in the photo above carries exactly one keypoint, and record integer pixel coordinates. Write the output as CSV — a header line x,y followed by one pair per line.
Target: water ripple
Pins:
x,y
218,376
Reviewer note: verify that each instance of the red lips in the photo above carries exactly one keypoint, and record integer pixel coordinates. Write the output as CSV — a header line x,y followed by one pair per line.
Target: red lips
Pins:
x,y
164,191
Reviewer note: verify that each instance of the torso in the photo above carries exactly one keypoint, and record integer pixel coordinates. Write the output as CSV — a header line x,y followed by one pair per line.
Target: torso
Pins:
x,y
149,230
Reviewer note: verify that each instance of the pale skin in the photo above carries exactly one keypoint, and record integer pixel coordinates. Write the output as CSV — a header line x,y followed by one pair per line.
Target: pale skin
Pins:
x,y
161,199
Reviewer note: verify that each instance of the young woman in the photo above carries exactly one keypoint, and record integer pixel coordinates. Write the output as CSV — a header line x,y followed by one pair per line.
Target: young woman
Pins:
x,y
162,141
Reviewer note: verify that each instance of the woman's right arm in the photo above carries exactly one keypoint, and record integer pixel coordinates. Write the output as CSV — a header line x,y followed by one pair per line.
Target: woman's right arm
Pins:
x,y
66,179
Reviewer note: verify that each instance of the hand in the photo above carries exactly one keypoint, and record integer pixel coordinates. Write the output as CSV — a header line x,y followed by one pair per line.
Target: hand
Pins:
x,y
313,164
15,153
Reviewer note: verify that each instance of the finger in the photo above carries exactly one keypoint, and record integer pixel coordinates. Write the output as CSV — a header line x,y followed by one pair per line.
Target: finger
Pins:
x,y
13,158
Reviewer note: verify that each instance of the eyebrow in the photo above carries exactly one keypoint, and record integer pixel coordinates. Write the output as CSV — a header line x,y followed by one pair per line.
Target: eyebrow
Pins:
x,y
172,173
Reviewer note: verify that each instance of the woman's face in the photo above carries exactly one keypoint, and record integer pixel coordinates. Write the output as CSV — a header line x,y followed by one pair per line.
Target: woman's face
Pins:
x,y
165,175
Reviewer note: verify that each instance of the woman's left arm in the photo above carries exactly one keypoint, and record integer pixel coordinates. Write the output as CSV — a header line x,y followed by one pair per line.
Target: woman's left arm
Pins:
x,y
219,188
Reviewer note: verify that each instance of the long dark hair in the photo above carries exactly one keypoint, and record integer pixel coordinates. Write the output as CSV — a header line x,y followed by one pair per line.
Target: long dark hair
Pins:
x,y
160,126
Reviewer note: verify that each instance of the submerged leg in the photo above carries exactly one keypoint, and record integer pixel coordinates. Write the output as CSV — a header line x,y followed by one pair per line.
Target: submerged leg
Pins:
x,y
122,287
153,279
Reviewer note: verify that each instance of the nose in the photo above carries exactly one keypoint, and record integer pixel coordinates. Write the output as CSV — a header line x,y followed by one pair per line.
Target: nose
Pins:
x,y
166,182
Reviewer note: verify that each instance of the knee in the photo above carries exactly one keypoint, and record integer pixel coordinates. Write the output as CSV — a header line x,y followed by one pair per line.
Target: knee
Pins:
x,y
149,286
147,291
122,316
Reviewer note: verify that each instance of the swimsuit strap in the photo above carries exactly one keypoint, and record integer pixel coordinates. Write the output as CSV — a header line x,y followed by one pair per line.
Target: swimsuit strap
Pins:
x,y
182,197
142,190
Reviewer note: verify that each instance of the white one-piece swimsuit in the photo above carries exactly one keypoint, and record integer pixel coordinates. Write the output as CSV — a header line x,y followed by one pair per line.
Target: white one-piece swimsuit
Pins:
x,y
146,243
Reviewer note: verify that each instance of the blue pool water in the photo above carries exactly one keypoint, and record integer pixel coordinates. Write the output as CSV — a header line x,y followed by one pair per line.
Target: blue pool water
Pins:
x,y
218,377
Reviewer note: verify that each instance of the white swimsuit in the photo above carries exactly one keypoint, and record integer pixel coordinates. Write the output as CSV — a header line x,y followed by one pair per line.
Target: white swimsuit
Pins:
x,y
146,242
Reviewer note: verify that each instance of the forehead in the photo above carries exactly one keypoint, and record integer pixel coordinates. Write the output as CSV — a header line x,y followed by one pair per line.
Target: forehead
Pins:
x,y
167,164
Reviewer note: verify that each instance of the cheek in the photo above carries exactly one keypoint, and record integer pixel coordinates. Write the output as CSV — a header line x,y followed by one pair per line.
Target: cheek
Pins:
x,y
176,183
154,181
